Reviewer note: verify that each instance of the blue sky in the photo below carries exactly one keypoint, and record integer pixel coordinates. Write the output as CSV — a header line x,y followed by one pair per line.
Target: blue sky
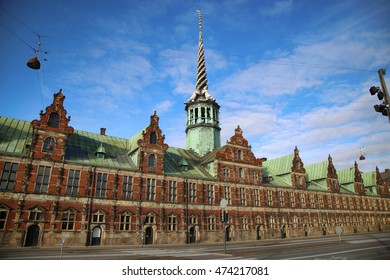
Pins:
x,y
289,72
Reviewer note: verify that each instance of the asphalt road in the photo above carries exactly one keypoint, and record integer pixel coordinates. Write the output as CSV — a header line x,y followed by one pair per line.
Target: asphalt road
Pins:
x,y
354,247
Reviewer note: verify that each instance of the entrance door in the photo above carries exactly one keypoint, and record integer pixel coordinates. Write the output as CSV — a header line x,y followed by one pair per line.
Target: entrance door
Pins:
x,y
32,236
192,235
228,237
148,235
258,229
96,236
283,231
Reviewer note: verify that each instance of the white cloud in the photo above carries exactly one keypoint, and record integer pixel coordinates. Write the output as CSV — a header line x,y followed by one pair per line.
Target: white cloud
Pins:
x,y
278,8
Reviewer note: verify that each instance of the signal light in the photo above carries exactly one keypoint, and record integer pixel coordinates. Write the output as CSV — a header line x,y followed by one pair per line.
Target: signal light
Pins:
x,y
374,90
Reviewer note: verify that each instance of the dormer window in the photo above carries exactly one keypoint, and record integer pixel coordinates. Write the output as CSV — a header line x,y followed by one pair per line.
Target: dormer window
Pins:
x,y
153,138
48,145
54,120
100,152
183,164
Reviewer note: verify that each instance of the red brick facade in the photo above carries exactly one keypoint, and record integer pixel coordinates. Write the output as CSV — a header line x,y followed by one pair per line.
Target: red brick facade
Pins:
x,y
45,197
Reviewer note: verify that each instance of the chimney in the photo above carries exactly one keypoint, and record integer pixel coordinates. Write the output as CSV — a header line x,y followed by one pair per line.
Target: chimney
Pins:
x,y
102,131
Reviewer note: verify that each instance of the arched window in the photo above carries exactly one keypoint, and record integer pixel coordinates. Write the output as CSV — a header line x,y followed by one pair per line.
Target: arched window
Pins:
x,y
240,173
153,138
54,120
48,145
239,154
152,160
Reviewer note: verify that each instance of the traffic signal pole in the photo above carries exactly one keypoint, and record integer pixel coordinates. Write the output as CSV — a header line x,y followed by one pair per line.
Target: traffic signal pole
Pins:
x,y
381,73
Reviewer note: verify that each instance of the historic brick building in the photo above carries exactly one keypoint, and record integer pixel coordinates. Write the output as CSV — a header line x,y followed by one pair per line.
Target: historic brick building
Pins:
x,y
95,189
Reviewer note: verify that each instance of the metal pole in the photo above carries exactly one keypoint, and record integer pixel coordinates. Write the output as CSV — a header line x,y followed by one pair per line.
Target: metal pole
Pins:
x,y
381,73
224,243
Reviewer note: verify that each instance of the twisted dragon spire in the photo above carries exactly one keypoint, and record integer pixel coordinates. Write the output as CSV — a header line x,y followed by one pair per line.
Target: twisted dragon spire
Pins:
x,y
201,75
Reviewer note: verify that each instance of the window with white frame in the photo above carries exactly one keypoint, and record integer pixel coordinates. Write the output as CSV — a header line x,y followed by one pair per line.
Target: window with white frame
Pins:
x,y
228,195
68,220
101,185
36,214
242,197
150,189
125,221
172,191
98,217
211,222
193,219
210,194
245,223
257,197
43,179
292,199
270,197
281,198
172,223
72,187
303,199
127,187
192,192
3,217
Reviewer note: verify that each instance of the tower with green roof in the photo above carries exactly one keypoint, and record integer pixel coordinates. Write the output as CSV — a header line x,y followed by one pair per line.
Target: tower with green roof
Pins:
x,y
202,128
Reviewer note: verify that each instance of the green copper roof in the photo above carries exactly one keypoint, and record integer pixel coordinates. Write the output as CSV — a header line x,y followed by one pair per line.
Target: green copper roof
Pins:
x,y
280,165
82,147
346,175
316,175
175,156
317,171
14,136
280,169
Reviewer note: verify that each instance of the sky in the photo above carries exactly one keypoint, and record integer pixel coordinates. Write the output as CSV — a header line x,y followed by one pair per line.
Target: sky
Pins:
x,y
288,72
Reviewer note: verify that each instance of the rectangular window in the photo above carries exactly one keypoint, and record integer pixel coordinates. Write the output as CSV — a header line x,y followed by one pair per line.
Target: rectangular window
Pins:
x,y
211,223
150,189
127,187
292,199
270,198
226,173
73,182
43,178
98,217
68,220
36,215
255,176
172,191
281,198
312,201
101,185
192,194
228,195
125,222
257,197
172,223
3,218
210,194
245,225
303,199
8,177
242,197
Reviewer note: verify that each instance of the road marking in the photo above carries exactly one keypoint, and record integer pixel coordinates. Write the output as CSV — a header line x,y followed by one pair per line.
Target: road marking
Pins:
x,y
337,253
